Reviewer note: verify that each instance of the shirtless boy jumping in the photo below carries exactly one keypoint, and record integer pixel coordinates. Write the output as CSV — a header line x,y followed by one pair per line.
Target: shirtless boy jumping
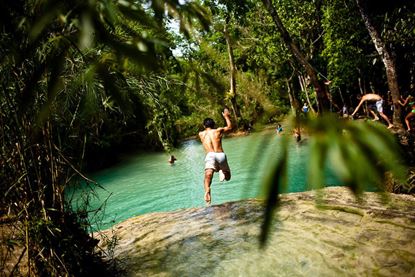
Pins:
x,y
215,157
378,104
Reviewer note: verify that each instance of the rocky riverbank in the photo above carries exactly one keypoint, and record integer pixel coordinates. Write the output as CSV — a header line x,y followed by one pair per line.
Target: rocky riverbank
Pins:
x,y
341,236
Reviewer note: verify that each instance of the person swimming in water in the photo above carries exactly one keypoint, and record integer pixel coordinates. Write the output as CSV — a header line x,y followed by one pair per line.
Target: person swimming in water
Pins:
x,y
297,134
215,160
172,159
278,129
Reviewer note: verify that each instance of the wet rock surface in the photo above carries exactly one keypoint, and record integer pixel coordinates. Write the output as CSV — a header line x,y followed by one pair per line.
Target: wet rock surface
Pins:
x,y
324,233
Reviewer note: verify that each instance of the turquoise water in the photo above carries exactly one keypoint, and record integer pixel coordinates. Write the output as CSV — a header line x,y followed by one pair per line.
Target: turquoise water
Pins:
x,y
147,183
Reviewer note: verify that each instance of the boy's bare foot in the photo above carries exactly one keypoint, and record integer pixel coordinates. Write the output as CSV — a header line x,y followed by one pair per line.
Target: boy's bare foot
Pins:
x,y
390,126
207,197
221,176
376,119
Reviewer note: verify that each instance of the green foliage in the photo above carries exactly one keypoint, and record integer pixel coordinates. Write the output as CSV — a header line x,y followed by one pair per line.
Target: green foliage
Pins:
x,y
276,181
406,186
206,67
398,32
65,95
160,98
344,41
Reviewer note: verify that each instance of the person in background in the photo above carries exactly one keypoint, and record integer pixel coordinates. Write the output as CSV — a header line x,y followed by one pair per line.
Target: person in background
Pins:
x,y
278,129
411,102
372,97
305,108
297,135
215,160
344,111
172,159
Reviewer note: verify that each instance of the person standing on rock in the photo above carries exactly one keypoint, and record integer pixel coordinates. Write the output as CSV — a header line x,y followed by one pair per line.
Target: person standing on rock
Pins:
x,y
411,101
215,160
372,97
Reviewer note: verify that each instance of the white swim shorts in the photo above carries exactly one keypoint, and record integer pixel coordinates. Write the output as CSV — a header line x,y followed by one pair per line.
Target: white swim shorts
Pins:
x,y
379,106
216,161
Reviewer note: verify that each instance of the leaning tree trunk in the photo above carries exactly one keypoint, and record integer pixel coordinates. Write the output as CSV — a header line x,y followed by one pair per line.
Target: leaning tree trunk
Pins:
x,y
303,85
322,97
387,59
232,73
294,103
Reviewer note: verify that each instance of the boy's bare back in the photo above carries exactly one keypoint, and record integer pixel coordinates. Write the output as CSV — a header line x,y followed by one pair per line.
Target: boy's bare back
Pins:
x,y
212,139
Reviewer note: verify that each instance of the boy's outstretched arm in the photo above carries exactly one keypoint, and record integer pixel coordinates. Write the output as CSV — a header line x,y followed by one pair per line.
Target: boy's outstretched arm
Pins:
x,y
226,114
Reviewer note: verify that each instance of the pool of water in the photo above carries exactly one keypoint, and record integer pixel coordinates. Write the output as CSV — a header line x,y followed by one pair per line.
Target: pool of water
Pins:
x,y
146,182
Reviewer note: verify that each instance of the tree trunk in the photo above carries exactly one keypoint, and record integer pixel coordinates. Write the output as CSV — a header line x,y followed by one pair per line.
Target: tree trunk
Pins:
x,y
387,59
295,104
232,73
303,85
322,97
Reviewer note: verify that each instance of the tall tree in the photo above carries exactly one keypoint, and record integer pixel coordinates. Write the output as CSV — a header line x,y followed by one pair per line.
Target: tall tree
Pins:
x,y
224,12
323,101
388,60
232,72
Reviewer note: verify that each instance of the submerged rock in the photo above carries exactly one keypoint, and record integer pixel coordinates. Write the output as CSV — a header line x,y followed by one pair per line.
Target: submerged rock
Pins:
x,y
337,235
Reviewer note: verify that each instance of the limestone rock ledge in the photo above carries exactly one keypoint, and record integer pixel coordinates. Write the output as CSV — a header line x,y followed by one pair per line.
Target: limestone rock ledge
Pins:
x,y
336,236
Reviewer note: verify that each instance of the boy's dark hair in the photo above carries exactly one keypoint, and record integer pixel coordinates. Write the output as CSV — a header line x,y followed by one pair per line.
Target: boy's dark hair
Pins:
x,y
209,123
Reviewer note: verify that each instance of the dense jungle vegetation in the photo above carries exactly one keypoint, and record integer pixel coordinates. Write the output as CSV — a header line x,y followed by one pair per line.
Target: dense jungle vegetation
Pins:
x,y
84,81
